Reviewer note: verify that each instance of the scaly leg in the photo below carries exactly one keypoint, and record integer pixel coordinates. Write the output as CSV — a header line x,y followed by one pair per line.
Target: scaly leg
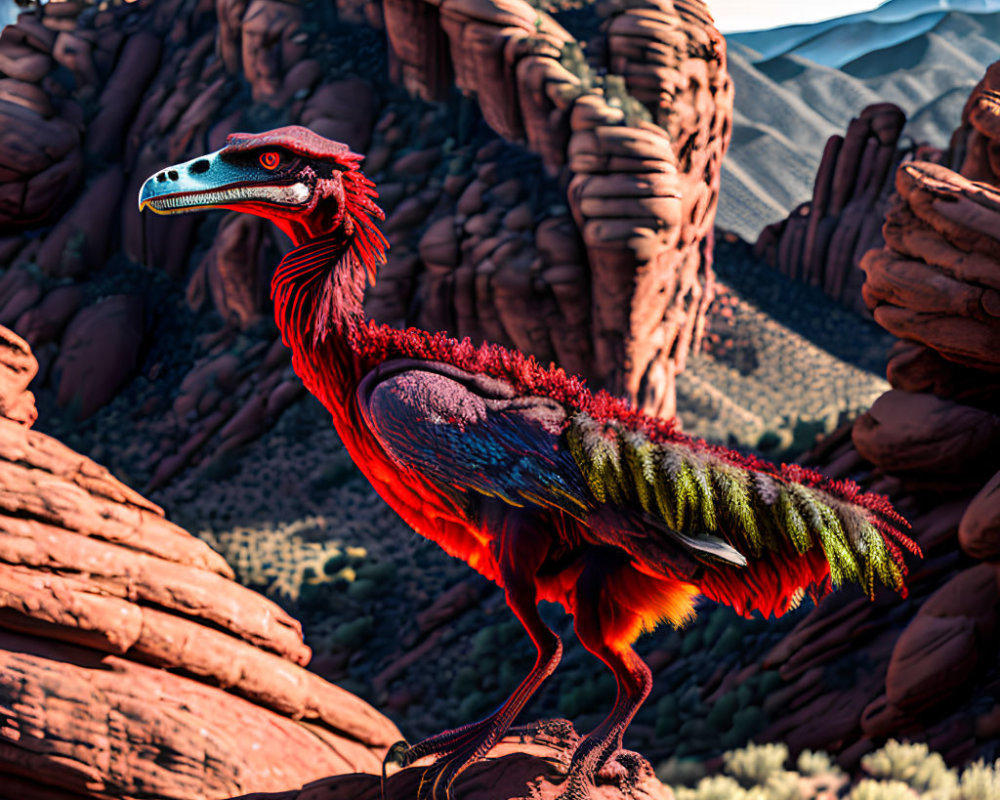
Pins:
x,y
596,620
520,554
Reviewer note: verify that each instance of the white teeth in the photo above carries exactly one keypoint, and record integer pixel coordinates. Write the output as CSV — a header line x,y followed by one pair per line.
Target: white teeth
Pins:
x,y
289,195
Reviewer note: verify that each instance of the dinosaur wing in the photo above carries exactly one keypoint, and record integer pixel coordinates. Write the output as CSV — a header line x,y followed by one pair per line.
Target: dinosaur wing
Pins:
x,y
467,433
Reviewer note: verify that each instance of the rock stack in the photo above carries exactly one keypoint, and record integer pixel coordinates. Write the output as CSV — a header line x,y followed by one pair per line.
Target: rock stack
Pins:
x,y
936,285
642,193
922,668
41,162
133,664
822,240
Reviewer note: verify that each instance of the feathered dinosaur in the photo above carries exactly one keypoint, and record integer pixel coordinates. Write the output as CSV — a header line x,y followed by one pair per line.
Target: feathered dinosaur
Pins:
x,y
553,492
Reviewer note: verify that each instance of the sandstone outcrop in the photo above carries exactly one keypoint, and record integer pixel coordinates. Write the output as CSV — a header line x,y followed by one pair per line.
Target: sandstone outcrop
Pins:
x,y
642,149
40,153
936,281
17,369
822,241
133,662
931,444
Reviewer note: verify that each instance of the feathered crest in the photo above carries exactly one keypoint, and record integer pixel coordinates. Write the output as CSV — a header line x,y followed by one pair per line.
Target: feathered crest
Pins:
x,y
322,281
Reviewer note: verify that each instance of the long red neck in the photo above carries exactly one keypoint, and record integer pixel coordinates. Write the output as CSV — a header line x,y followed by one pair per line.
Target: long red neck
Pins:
x,y
317,291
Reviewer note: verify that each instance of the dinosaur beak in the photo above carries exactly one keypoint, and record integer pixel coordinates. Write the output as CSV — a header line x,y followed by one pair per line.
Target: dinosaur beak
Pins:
x,y
213,181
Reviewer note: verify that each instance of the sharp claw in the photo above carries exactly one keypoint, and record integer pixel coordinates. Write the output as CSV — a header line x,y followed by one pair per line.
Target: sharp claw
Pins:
x,y
394,755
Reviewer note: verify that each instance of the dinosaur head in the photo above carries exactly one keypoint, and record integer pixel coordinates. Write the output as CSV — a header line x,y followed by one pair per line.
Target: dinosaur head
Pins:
x,y
307,185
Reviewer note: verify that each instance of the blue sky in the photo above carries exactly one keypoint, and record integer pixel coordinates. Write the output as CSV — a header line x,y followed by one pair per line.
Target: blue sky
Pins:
x,y
741,15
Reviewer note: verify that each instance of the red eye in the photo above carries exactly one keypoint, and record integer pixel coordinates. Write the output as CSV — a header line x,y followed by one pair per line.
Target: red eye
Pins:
x,y
270,160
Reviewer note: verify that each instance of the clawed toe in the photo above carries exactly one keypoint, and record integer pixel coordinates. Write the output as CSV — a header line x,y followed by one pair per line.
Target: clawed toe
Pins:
x,y
436,782
624,768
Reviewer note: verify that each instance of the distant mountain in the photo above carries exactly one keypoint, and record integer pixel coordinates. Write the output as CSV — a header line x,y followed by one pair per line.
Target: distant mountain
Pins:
x,y
799,85
834,42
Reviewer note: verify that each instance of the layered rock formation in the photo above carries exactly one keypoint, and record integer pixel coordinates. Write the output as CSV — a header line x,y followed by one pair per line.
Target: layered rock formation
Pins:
x,y
921,669
642,194
41,161
823,240
936,285
133,664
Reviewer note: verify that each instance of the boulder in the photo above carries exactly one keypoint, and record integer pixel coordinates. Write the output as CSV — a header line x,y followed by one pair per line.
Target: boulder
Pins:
x,y
979,530
272,42
19,290
229,42
534,764
45,322
344,111
17,369
40,164
101,725
99,353
238,268
122,94
132,662
82,238
940,649
936,281
920,433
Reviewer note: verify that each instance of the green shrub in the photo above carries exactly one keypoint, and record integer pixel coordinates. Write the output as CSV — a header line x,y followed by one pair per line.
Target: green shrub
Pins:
x,y
755,763
980,781
914,765
716,787
680,771
363,589
466,681
721,714
816,762
382,572
882,790
351,635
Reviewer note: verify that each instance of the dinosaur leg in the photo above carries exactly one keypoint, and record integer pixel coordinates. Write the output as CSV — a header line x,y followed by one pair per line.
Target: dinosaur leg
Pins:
x,y
520,554
601,625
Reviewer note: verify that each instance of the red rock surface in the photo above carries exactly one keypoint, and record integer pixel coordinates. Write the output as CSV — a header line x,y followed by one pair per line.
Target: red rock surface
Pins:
x,y
81,241
99,597
642,195
17,368
823,240
237,270
40,159
514,769
979,530
272,40
99,353
931,443
936,281
158,81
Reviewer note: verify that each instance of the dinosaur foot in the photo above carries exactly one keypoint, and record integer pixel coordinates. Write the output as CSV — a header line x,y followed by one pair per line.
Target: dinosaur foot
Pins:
x,y
624,769
454,750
